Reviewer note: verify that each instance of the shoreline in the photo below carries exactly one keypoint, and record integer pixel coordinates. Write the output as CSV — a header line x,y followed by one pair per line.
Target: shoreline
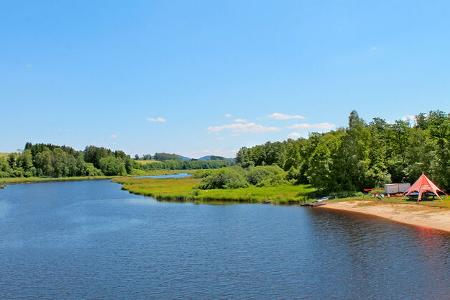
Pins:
x,y
27,180
410,214
4,182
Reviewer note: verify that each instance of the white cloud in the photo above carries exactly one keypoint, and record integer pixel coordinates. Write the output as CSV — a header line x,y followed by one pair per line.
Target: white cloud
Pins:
x,y
114,136
294,135
157,120
240,120
284,117
243,127
317,126
228,115
409,118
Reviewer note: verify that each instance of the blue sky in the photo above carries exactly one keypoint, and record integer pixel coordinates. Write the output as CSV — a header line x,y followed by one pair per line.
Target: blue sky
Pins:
x,y
207,77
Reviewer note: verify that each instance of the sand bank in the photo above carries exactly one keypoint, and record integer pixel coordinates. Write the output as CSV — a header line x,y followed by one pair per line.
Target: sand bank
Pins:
x,y
413,214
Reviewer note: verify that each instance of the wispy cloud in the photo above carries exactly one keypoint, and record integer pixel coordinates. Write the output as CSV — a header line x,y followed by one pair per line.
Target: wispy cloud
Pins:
x,y
285,117
157,119
317,126
294,135
114,136
240,120
409,118
228,115
243,126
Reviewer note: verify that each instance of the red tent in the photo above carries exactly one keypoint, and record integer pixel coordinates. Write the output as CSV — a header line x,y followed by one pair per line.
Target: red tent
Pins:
x,y
423,185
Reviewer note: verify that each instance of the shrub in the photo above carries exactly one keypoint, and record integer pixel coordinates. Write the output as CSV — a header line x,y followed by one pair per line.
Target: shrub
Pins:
x,y
266,176
227,178
111,166
202,173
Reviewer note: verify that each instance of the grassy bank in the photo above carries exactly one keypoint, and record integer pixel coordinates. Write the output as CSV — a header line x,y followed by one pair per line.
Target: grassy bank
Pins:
x,y
185,189
16,180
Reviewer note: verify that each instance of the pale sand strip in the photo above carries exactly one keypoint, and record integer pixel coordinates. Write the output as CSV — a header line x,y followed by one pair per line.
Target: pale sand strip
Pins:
x,y
431,217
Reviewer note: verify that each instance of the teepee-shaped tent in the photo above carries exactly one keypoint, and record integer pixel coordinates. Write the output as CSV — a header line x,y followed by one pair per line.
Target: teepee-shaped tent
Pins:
x,y
424,185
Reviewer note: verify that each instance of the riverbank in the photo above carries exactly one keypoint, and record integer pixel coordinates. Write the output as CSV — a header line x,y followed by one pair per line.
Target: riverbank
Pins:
x,y
412,214
185,189
17,180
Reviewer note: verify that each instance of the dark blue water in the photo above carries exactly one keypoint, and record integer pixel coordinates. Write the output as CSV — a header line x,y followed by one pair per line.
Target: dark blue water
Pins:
x,y
168,176
90,240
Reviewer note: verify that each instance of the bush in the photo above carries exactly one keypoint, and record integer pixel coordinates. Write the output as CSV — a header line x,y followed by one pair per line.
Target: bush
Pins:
x,y
202,173
227,178
266,176
112,166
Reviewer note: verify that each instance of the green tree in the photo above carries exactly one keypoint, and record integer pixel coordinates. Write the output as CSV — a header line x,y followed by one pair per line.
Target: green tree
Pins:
x,y
111,166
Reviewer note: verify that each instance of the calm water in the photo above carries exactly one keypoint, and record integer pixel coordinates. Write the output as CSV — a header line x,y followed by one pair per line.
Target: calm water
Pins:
x,y
85,240
168,176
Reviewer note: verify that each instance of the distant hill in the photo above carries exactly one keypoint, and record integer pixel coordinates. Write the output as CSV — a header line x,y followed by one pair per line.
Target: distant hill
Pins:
x,y
214,157
169,156
162,156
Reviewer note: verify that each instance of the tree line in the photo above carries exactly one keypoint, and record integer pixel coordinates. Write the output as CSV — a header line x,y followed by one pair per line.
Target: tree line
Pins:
x,y
159,156
362,155
47,160
186,164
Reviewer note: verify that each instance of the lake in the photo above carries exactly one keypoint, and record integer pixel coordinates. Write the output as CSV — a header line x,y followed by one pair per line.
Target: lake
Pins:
x,y
90,239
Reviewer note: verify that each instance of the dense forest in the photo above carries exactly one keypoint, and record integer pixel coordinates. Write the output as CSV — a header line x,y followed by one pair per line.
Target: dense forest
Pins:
x,y
161,156
46,160
186,164
363,155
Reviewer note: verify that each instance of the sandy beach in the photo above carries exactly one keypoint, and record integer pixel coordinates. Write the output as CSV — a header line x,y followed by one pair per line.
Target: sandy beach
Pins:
x,y
430,217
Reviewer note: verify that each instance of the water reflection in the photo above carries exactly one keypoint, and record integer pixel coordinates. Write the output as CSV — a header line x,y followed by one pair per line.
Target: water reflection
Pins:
x,y
167,176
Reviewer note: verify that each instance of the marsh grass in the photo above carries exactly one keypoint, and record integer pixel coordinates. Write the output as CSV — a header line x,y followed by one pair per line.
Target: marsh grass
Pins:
x,y
185,189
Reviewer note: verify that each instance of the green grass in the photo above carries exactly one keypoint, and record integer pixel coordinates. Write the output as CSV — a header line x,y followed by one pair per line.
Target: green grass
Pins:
x,y
147,161
185,189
